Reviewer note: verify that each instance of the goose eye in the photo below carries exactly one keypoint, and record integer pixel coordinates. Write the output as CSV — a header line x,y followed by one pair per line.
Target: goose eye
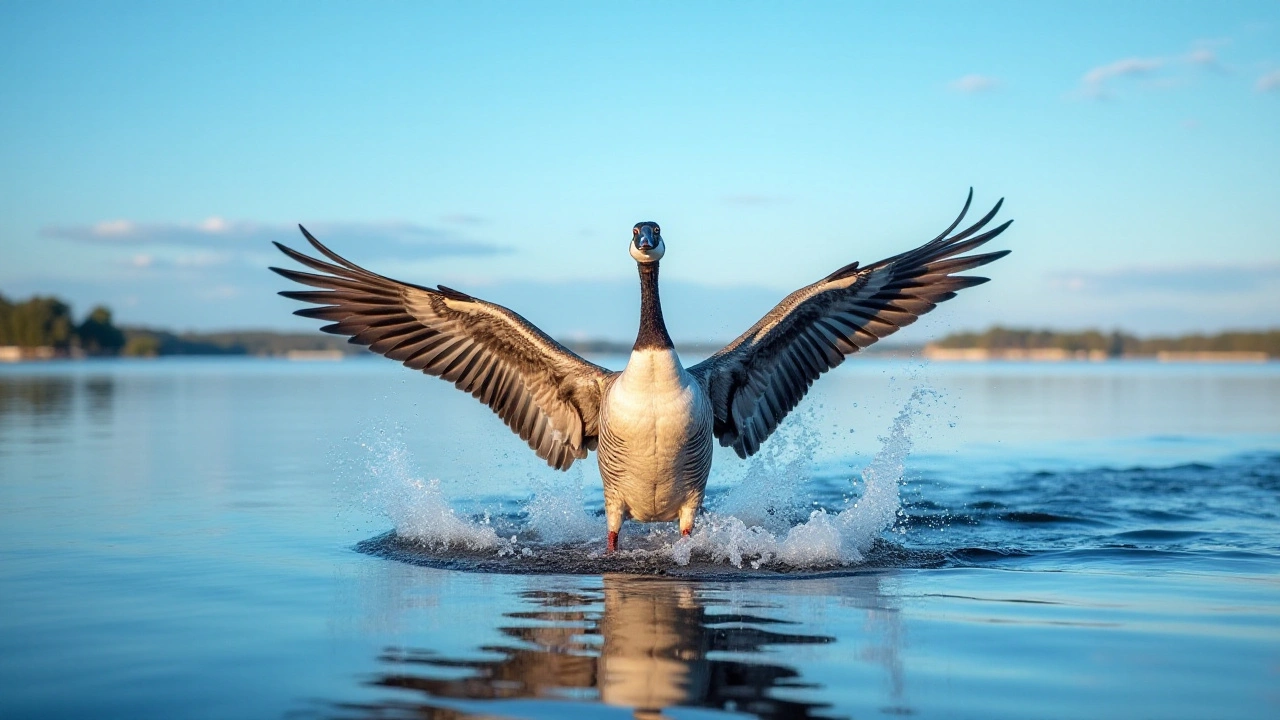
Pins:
x,y
657,231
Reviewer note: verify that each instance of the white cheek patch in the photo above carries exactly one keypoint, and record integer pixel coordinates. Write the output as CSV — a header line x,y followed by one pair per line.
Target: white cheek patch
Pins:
x,y
654,254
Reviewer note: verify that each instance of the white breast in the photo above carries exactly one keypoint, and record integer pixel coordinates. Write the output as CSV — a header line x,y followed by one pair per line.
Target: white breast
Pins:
x,y
655,424
652,402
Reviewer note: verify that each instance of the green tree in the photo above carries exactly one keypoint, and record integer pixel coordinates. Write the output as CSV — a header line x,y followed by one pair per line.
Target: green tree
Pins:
x,y
142,345
98,336
40,321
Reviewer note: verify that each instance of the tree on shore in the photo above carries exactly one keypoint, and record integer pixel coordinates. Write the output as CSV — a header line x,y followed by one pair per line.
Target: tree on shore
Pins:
x,y
38,322
98,336
1115,344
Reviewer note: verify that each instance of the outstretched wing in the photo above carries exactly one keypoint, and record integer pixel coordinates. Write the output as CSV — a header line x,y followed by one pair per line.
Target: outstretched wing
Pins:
x,y
544,392
758,378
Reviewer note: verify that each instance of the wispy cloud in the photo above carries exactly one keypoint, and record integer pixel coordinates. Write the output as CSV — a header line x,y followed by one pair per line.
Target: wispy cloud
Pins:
x,y
1207,59
1204,54
180,260
1095,83
973,84
1171,71
1269,82
221,234
1186,280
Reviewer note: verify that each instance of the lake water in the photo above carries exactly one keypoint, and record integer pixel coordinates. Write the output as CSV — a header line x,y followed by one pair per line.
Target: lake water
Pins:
x,y
242,538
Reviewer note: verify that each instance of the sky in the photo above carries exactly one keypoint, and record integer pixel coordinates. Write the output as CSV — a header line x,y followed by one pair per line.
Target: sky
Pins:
x,y
149,153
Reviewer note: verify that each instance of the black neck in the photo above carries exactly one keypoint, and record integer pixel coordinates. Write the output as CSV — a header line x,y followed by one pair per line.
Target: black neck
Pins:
x,y
653,331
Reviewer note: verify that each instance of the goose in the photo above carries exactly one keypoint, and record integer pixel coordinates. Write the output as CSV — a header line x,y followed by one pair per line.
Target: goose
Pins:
x,y
652,424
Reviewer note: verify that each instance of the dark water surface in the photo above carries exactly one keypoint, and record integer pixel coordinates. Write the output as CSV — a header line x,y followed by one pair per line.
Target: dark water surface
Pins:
x,y
249,538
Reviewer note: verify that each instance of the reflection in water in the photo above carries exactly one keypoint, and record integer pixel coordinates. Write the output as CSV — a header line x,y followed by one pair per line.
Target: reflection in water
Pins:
x,y
655,645
100,394
37,399
51,399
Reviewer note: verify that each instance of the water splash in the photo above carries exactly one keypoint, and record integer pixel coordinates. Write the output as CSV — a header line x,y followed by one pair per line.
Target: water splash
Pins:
x,y
761,522
557,513
417,506
772,493
825,538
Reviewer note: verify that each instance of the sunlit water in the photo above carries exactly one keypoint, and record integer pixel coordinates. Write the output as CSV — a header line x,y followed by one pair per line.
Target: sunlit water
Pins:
x,y
248,538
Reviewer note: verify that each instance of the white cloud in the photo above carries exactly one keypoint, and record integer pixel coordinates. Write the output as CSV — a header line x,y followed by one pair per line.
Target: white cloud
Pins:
x,y
1095,82
1205,56
213,225
221,235
1202,56
165,259
1269,82
974,84
113,228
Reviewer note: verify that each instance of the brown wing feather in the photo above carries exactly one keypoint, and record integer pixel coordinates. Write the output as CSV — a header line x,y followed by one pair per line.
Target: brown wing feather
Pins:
x,y
758,378
545,393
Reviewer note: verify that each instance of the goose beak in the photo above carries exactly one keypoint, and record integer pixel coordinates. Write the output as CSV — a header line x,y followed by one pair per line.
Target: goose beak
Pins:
x,y
645,241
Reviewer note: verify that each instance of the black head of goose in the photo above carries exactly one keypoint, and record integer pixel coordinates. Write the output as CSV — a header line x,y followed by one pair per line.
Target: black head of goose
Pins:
x,y
652,423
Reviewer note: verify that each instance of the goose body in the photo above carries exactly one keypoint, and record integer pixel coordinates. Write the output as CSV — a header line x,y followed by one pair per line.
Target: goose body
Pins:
x,y
652,423
655,442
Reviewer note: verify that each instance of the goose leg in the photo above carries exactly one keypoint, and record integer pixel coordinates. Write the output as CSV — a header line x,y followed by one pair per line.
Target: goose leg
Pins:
x,y
686,518
613,515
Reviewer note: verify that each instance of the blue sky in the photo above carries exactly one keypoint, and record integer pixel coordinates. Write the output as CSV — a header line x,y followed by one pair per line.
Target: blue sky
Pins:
x,y
149,152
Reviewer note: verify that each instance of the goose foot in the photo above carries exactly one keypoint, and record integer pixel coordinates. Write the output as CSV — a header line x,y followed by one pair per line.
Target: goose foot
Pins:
x,y
686,532
613,541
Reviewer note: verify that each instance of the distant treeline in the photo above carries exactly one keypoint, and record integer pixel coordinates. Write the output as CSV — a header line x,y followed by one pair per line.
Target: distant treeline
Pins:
x,y
144,342
1116,343
47,322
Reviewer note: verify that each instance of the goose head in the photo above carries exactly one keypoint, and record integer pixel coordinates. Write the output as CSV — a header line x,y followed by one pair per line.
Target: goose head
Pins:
x,y
646,242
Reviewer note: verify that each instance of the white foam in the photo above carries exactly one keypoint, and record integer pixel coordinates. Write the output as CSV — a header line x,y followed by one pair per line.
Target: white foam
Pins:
x,y
758,522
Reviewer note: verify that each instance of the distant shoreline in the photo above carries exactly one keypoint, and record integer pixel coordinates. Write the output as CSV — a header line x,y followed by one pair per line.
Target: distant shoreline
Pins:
x,y
43,328
325,349
1002,343
149,343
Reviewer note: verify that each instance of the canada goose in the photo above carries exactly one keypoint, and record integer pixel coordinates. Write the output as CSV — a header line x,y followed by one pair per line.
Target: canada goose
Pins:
x,y
652,423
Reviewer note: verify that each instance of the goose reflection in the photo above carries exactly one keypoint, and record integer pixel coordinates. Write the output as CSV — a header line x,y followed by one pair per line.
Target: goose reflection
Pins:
x,y
653,646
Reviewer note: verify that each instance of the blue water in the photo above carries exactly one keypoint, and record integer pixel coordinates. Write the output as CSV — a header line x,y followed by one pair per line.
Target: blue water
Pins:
x,y
253,538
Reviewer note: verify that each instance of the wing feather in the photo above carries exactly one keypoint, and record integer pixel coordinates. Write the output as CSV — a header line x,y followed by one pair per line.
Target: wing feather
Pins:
x,y
545,393
760,377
